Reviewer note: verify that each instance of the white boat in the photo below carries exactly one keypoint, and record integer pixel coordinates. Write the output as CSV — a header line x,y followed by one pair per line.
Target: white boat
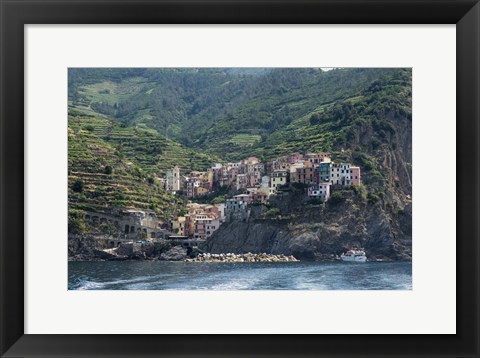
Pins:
x,y
354,256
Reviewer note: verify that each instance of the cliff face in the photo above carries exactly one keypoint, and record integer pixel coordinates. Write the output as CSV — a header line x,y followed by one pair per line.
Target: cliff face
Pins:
x,y
321,232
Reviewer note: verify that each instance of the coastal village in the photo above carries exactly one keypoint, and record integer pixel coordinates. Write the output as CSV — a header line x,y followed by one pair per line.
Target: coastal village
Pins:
x,y
253,183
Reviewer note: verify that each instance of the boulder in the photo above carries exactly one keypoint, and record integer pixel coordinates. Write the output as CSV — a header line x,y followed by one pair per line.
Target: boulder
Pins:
x,y
176,253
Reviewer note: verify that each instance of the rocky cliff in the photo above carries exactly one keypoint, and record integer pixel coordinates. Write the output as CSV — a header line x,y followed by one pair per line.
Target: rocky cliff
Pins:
x,y
321,231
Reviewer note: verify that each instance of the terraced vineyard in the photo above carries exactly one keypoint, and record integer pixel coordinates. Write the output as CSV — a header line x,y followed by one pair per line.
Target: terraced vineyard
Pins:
x,y
111,165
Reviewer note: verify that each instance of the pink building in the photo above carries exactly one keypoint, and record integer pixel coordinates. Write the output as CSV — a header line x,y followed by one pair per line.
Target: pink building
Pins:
x,y
307,174
233,175
294,158
355,175
251,181
260,197
317,158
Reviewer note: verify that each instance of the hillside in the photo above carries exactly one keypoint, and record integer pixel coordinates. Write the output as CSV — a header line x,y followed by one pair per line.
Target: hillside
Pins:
x,y
112,165
228,111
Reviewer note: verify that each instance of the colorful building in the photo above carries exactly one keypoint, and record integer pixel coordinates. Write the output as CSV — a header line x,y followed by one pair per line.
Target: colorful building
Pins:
x,y
278,179
293,171
317,158
176,185
324,170
320,191
236,210
242,181
355,175
307,174
340,174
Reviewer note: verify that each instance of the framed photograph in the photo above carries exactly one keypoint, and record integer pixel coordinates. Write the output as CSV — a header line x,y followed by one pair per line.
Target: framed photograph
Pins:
x,y
239,178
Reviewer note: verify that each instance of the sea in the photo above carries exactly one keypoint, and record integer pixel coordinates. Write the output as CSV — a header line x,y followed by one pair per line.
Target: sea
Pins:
x,y
169,275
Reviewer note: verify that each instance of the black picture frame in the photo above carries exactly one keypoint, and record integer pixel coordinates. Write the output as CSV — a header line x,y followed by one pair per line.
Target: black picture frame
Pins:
x,y
17,13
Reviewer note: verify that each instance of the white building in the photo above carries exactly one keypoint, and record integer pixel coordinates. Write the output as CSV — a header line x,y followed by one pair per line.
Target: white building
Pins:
x,y
320,191
341,174
236,210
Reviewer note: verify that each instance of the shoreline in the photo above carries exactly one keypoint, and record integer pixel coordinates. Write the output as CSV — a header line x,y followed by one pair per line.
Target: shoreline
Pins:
x,y
214,260
248,257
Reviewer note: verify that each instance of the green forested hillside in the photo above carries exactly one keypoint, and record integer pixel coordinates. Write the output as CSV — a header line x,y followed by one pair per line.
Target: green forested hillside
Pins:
x,y
225,110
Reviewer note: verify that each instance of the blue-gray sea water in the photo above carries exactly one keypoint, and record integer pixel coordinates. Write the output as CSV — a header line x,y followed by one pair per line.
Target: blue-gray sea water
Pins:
x,y
167,275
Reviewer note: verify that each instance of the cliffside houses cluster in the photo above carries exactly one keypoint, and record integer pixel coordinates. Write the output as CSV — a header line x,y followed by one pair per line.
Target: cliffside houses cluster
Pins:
x,y
257,182
260,180
200,222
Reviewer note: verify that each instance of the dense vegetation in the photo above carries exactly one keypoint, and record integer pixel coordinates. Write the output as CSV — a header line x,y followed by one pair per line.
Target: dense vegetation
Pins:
x,y
229,112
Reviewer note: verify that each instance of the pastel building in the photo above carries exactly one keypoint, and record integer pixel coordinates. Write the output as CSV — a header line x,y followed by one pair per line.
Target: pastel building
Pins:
x,y
295,158
307,174
236,210
340,174
320,191
355,175
278,178
201,191
200,226
212,224
242,181
258,195
293,171
176,186
247,198
178,226
192,187
317,158
265,181
254,179
324,170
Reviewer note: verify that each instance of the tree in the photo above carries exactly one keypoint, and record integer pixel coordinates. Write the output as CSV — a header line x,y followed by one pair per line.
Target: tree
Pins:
x,y
77,186
219,199
336,198
314,119
76,221
108,170
270,214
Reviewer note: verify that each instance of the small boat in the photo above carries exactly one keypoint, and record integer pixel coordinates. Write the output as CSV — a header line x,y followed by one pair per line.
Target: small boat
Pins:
x,y
354,256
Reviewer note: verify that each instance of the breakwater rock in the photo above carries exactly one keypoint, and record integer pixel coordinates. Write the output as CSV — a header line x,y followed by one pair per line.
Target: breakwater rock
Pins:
x,y
248,257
